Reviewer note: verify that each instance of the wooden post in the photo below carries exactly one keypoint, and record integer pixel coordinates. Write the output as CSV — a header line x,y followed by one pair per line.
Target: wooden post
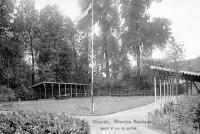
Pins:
x,y
71,90
84,91
155,90
59,89
186,87
52,90
177,83
170,89
165,91
65,89
160,94
76,90
191,88
45,91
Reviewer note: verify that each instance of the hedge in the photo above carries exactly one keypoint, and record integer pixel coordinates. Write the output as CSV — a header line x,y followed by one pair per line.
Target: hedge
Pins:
x,y
41,123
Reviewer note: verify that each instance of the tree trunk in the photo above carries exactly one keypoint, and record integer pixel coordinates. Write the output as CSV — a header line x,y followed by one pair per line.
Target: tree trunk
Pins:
x,y
75,61
106,27
138,68
33,63
115,77
107,62
87,51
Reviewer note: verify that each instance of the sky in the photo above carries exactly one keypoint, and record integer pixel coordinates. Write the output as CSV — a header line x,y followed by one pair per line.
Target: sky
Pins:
x,y
183,14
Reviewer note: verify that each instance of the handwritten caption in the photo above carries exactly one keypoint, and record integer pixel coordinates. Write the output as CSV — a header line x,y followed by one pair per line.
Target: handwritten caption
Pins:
x,y
119,125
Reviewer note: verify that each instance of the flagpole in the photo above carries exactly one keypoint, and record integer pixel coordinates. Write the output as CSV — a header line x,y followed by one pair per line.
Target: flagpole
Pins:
x,y
92,81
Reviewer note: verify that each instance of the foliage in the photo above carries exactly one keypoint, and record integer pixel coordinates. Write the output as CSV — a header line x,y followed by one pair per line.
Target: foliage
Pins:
x,y
141,33
41,123
174,54
6,94
188,111
182,118
106,16
22,93
128,83
7,8
26,28
11,49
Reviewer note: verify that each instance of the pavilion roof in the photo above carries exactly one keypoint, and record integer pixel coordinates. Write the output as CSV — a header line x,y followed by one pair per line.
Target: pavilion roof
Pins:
x,y
186,74
59,83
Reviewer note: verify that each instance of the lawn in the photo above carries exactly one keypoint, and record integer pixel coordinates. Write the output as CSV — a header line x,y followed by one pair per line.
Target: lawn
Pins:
x,y
81,106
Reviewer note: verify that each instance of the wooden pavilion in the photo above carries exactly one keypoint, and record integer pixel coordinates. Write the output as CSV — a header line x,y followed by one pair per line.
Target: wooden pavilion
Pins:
x,y
60,90
166,82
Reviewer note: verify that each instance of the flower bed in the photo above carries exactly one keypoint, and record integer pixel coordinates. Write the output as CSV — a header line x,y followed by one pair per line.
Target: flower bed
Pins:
x,y
41,123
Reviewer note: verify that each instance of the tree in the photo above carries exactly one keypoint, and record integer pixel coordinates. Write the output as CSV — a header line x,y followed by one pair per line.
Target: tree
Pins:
x,y
105,14
12,67
140,32
174,53
26,25
57,54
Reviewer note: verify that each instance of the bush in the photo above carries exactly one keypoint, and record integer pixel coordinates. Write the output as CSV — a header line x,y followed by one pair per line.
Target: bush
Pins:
x,y
188,112
6,94
183,118
23,93
41,123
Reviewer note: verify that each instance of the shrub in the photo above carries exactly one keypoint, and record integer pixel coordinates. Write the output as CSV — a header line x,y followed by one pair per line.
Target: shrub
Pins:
x,y
23,93
183,118
41,123
6,94
188,112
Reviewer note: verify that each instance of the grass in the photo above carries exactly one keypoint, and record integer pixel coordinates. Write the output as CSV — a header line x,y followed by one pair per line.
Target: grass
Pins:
x,y
81,106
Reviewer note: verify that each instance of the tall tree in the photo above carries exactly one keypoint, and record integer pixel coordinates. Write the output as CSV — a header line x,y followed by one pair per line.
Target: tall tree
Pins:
x,y
57,52
174,53
140,32
11,49
105,14
26,25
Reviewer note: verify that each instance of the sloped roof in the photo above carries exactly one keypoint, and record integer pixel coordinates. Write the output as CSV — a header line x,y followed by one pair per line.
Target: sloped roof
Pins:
x,y
174,71
59,83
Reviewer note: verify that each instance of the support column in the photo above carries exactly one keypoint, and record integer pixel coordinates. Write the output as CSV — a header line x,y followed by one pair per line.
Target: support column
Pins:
x,y
155,91
160,93
76,90
52,90
190,87
45,91
71,90
167,90
65,89
177,83
164,92
186,87
170,89
84,91
59,89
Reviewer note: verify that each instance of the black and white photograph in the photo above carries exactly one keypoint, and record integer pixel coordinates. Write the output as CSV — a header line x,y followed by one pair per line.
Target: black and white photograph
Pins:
x,y
99,67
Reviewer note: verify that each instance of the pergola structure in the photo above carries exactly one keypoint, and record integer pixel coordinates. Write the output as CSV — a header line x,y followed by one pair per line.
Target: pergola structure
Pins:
x,y
46,90
166,82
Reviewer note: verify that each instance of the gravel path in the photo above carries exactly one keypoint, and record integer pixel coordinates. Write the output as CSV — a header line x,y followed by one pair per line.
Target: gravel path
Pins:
x,y
133,121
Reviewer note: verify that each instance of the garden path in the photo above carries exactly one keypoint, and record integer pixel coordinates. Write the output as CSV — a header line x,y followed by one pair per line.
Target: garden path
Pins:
x,y
133,121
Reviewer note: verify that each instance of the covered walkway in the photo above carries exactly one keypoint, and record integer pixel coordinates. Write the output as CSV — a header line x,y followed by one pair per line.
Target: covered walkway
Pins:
x,y
60,90
167,81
